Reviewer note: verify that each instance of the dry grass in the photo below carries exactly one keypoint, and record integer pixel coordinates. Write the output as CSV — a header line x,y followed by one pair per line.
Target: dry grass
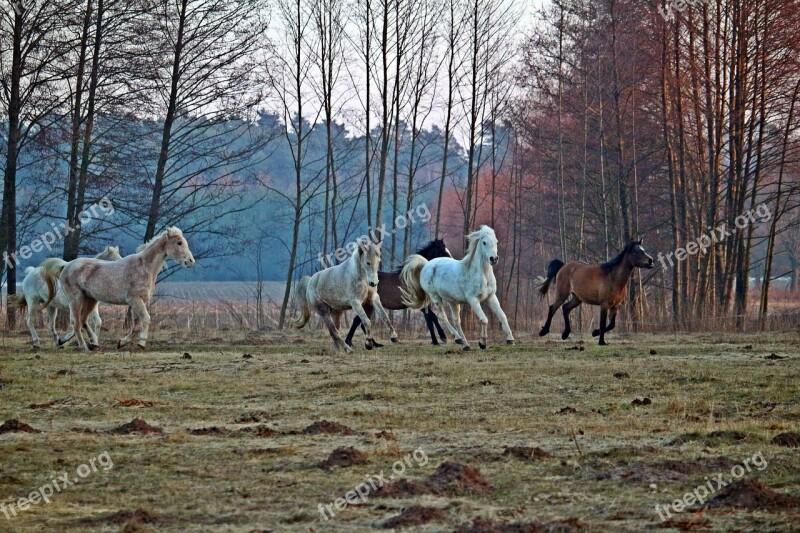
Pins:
x,y
464,407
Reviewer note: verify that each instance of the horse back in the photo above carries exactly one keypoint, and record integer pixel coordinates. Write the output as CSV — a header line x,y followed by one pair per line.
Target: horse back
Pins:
x,y
389,284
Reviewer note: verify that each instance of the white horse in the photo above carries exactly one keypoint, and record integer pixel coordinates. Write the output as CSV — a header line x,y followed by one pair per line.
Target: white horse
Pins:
x,y
455,282
348,285
129,281
35,293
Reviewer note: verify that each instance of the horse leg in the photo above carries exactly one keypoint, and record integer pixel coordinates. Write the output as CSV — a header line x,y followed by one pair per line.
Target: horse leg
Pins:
x,y
455,315
76,318
560,299
93,325
324,311
29,315
568,307
349,340
435,322
612,323
365,322
603,317
494,305
377,306
475,304
140,311
426,312
447,324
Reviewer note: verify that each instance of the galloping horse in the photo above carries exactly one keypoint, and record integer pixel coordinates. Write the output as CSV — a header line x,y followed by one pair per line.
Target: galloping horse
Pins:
x,y
602,285
35,293
389,291
129,281
468,281
342,287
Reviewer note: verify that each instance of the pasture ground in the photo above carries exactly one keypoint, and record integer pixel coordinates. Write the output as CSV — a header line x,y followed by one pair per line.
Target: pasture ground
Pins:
x,y
708,402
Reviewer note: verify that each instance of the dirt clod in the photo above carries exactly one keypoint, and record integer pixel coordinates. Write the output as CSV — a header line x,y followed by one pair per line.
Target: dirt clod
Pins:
x,y
252,417
247,356
567,411
133,402
526,453
653,352
139,516
775,357
187,355
788,440
416,515
451,478
644,401
482,525
622,375
752,495
344,457
137,425
325,427
385,435
15,426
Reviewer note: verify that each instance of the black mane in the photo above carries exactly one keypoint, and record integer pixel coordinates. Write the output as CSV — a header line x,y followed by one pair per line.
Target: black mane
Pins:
x,y
432,250
614,263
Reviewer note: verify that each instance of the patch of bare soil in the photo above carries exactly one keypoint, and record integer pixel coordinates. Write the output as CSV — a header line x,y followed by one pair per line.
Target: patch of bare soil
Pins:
x,y
451,478
687,524
752,495
416,515
15,426
775,357
525,453
252,417
133,402
787,440
644,401
221,431
213,431
385,435
325,427
567,411
481,525
137,425
715,438
343,458
69,400
622,375
666,471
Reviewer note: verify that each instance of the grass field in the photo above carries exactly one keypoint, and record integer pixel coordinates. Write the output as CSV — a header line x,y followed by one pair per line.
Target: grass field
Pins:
x,y
238,434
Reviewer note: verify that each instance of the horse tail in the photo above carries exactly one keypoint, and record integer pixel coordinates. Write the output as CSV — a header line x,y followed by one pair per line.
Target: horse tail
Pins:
x,y
51,271
552,271
413,295
18,300
302,303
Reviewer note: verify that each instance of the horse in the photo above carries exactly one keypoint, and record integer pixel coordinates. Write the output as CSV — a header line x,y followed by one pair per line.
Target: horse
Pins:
x,y
35,292
467,281
602,285
389,285
129,281
348,285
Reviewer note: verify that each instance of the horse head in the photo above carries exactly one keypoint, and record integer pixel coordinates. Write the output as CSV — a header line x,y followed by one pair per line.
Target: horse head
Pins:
x,y
369,259
435,249
484,243
638,257
178,249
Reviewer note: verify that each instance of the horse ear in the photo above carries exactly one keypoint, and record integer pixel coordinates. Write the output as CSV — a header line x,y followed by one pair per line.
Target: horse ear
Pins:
x,y
363,246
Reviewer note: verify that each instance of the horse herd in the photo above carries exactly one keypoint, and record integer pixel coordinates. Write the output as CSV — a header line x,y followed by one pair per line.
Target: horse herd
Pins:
x,y
430,279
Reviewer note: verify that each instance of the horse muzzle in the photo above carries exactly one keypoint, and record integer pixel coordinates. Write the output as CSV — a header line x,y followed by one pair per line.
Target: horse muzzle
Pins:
x,y
373,284
188,263
494,260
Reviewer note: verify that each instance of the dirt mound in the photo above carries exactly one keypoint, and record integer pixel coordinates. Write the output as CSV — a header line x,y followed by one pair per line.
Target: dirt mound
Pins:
x,y
752,495
385,435
137,425
344,457
133,402
325,427
252,417
526,453
221,431
213,431
622,375
666,471
688,524
261,431
698,467
567,411
481,525
715,438
139,516
15,426
788,440
644,401
451,478
415,515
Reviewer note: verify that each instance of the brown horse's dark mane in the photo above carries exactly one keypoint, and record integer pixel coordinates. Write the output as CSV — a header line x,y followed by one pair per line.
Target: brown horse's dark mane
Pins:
x,y
614,263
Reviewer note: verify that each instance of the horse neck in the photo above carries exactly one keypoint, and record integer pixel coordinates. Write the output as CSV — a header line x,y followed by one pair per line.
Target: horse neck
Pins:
x,y
155,255
354,266
477,263
622,273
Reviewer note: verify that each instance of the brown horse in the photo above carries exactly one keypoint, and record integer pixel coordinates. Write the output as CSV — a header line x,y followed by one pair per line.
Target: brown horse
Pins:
x,y
602,285
392,297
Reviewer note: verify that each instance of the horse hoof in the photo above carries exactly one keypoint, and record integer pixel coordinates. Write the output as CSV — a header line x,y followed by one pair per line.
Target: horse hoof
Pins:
x,y
92,347
596,333
460,341
142,347
368,345
36,347
377,344
350,344
434,342
443,340
603,343
510,343
467,348
565,335
544,332
395,340
60,342
482,345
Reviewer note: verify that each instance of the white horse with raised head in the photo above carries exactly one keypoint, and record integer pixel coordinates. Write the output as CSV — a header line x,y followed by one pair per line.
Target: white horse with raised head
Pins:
x,y
130,281
348,285
455,282
35,293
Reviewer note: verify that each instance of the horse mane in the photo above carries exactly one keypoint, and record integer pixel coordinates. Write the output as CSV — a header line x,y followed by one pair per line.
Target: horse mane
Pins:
x,y
422,251
614,263
473,239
